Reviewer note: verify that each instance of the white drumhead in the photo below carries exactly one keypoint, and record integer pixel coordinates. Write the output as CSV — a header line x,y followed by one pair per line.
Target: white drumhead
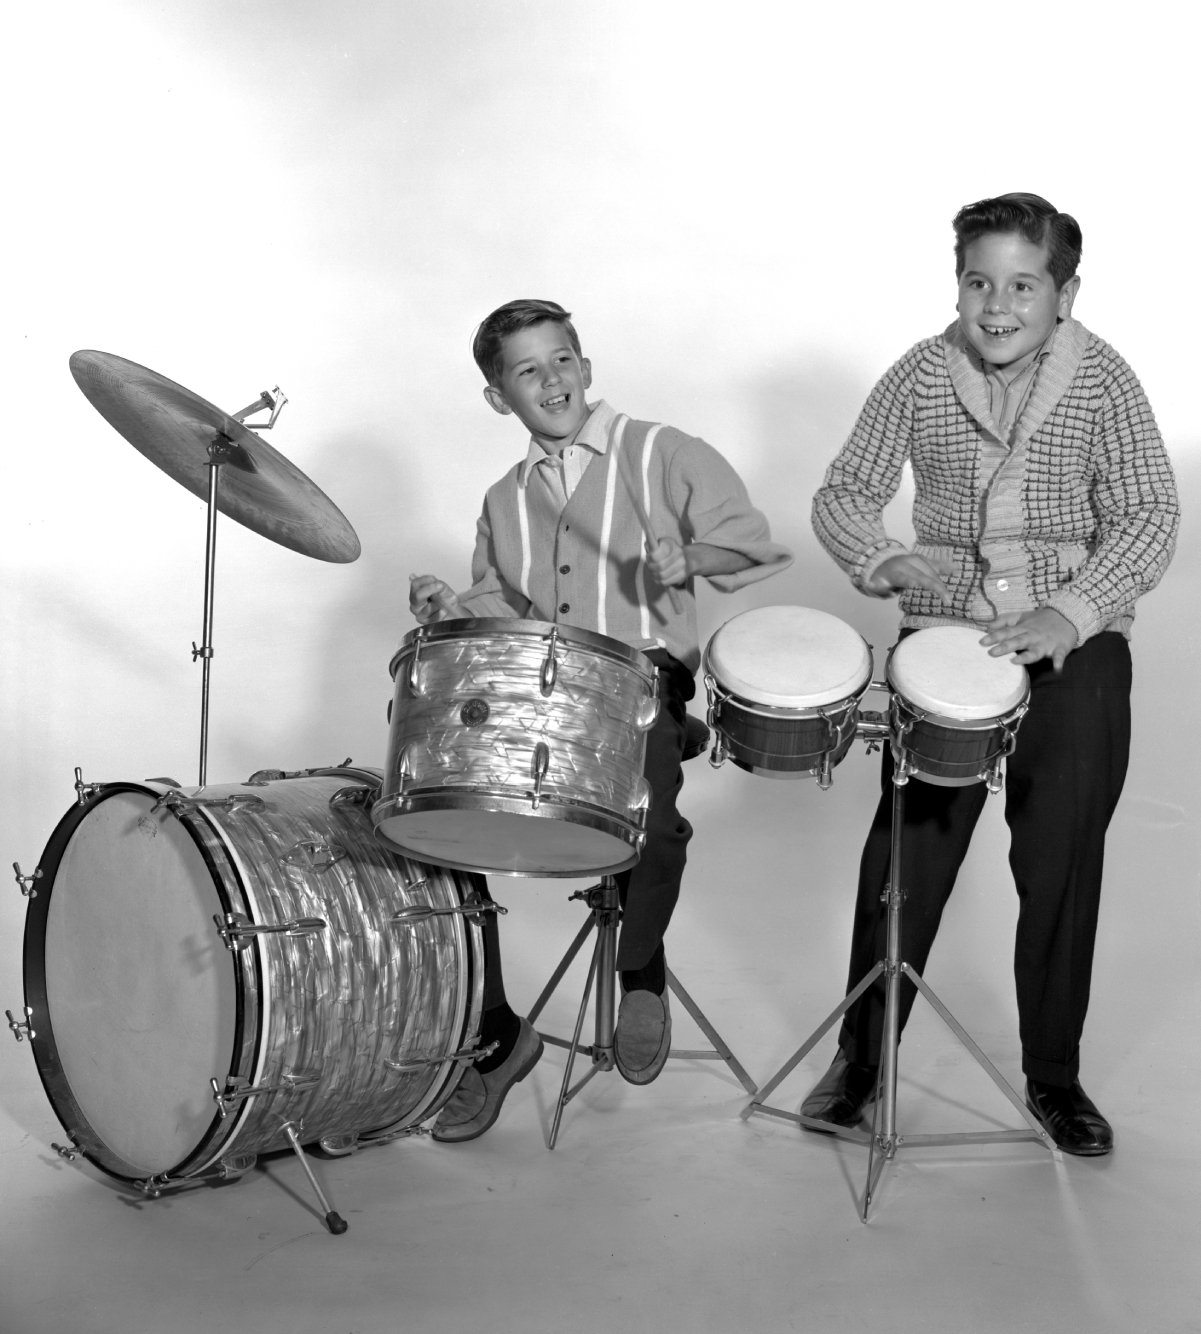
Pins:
x,y
139,988
947,671
789,657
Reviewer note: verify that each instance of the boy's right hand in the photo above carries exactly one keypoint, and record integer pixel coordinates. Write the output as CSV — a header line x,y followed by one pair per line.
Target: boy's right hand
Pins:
x,y
430,599
908,571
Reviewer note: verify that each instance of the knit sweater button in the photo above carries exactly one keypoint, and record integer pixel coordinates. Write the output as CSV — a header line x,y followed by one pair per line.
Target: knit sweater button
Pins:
x,y
564,608
564,569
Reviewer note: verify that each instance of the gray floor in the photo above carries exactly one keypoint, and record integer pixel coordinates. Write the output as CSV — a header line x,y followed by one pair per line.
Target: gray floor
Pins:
x,y
661,1208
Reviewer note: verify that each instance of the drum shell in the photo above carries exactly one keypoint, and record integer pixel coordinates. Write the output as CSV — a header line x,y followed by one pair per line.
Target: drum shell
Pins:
x,y
949,752
783,743
129,983
476,712
943,669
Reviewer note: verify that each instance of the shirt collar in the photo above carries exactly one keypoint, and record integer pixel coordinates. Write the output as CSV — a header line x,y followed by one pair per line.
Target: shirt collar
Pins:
x,y
956,338
593,435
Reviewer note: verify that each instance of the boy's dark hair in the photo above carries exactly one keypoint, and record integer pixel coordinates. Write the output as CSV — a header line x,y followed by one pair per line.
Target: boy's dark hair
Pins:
x,y
1032,217
511,318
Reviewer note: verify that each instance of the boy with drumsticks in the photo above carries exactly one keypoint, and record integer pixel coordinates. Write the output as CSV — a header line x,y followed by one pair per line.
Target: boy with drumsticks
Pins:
x,y
1045,506
604,525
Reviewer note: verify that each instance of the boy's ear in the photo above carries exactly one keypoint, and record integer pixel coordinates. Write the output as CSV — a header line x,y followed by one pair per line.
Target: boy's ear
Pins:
x,y
1067,296
497,400
586,367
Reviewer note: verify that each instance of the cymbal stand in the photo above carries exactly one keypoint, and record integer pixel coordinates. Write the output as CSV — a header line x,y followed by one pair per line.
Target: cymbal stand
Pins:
x,y
604,918
883,1141
221,450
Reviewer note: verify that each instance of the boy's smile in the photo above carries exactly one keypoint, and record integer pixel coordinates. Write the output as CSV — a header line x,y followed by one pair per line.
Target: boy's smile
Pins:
x,y
543,381
1008,302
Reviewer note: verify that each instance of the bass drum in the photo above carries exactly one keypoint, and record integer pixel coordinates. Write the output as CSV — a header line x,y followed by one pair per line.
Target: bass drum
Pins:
x,y
205,966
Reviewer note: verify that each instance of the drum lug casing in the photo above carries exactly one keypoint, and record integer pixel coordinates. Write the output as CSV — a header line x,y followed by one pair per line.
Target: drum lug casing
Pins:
x,y
237,930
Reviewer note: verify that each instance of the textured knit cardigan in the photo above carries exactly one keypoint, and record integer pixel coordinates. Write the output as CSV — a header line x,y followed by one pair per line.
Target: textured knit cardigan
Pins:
x,y
585,566
1078,512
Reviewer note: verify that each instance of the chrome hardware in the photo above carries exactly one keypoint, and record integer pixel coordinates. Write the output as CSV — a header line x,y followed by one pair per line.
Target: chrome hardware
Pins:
x,y
227,1169
334,1221
269,398
538,767
27,882
238,1089
415,684
68,1151
473,912
550,668
235,801
21,1028
236,929
354,796
419,1061
402,770
317,855
84,792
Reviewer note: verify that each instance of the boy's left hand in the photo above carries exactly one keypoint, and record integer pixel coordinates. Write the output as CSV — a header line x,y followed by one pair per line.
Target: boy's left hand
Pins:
x,y
1031,636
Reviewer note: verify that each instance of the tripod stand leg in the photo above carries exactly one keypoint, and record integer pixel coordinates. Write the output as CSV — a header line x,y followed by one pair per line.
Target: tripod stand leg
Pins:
x,y
758,1104
557,976
566,1092
981,1059
721,1051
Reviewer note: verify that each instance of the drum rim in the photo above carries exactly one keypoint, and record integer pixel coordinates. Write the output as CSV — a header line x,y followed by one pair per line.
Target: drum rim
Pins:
x,y
840,704
55,1081
491,802
465,628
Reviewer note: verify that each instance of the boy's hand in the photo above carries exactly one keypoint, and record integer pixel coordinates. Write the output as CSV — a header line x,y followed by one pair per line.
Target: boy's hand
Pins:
x,y
1031,636
667,562
909,571
432,600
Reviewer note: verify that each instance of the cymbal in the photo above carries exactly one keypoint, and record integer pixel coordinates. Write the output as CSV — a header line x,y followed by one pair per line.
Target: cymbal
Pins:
x,y
174,428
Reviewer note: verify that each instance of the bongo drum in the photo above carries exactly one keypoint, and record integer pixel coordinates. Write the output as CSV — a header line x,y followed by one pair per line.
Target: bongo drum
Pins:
x,y
955,709
784,685
517,748
205,965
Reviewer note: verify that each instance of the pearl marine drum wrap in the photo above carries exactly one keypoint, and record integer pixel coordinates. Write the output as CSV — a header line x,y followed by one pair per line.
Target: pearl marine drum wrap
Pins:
x,y
784,686
955,709
204,966
517,748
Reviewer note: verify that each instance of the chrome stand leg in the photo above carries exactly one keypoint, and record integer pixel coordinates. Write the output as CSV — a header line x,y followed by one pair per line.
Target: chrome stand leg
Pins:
x,y
335,1222
604,919
883,1141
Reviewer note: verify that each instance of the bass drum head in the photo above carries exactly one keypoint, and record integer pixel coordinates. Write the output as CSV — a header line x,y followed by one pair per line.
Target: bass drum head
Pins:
x,y
135,992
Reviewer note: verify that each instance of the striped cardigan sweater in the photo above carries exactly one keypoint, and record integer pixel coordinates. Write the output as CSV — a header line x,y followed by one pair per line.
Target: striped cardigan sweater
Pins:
x,y
1078,511
584,565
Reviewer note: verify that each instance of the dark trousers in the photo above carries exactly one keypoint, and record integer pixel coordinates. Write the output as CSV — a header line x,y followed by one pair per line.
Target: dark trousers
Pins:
x,y
1062,785
649,889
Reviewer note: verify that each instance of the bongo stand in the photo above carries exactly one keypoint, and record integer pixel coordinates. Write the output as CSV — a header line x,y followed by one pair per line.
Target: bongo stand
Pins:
x,y
603,918
883,1140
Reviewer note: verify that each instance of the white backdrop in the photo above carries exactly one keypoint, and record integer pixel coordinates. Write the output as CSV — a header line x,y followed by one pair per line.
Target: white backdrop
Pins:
x,y
746,207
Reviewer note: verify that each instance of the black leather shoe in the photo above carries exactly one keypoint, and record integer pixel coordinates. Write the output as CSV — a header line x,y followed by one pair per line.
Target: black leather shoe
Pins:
x,y
1070,1118
841,1094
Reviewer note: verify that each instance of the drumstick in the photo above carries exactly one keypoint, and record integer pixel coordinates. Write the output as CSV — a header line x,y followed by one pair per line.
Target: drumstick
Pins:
x,y
644,522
